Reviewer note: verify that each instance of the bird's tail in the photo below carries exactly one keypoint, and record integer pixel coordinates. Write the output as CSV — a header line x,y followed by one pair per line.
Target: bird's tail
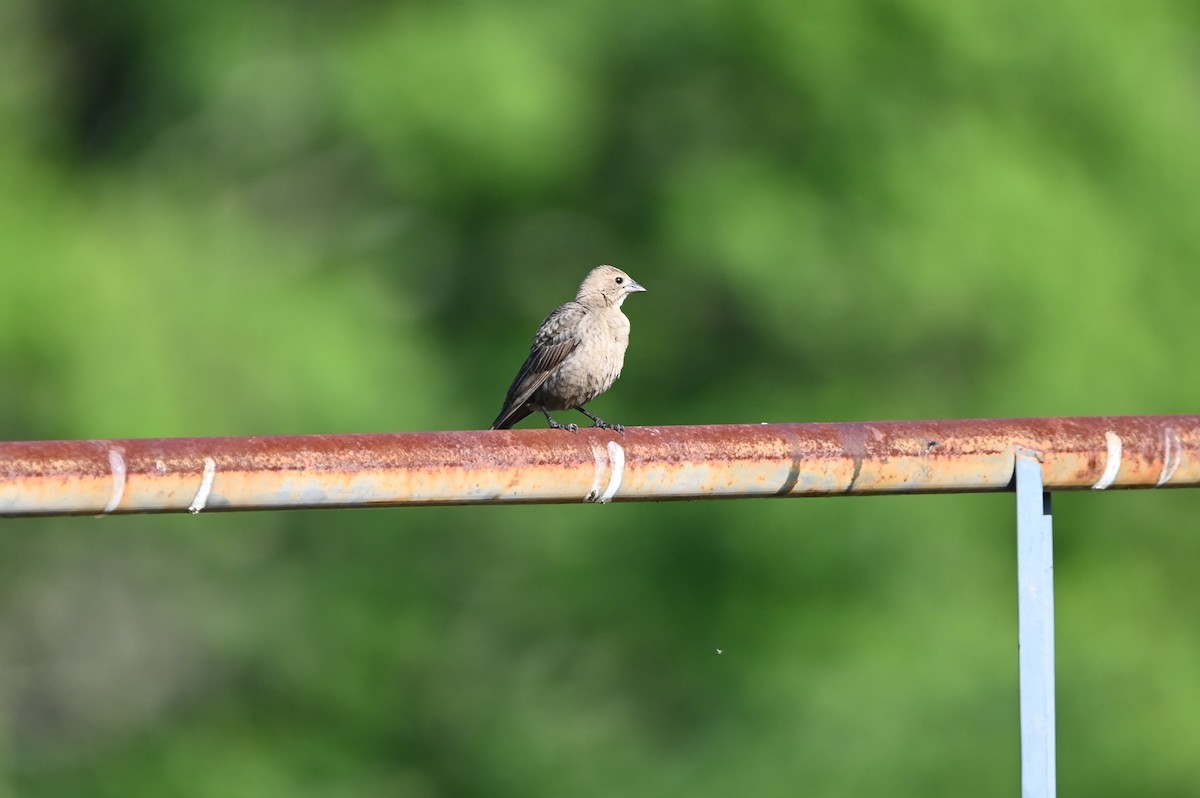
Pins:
x,y
509,416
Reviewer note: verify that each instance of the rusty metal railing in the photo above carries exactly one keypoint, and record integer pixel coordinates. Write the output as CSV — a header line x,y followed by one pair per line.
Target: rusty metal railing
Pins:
x,y
541,466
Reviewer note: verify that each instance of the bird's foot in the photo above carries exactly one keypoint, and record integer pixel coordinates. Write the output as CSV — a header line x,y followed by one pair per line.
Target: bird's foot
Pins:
x,y
601,423
555,425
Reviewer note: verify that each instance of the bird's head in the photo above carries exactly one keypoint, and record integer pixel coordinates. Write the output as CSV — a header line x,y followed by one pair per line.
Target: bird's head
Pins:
x,y
606,286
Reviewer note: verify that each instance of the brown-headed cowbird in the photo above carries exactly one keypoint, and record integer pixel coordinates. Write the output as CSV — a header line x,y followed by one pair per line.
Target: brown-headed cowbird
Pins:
x,y
576,355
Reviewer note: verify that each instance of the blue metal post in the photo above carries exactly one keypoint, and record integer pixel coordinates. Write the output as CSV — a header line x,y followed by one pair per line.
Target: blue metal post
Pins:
x,y
1035,635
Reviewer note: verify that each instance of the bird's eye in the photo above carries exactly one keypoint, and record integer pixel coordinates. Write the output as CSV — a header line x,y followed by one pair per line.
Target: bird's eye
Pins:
x,y
620,280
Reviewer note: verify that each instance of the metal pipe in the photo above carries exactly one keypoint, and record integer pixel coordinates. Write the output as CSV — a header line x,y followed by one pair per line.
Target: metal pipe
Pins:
x,y
543,466
1035,629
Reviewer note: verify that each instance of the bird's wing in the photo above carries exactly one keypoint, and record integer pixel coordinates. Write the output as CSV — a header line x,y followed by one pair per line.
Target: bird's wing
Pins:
x,y
555,340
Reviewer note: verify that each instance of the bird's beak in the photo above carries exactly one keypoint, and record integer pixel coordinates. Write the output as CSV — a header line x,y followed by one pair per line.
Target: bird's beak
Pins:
x,y
633,287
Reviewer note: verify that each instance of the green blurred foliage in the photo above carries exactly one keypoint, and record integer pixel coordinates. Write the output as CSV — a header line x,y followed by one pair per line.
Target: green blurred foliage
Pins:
x,y
267,217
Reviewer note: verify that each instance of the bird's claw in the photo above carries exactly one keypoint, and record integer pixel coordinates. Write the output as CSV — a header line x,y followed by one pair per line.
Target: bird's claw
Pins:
x,y
568,427
602,424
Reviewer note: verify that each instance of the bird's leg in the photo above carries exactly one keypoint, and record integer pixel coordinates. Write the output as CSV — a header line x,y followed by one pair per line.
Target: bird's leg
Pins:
x,y
601,423
555,425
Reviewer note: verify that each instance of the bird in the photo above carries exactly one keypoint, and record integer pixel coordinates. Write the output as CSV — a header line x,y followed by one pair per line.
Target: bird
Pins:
x,y
577,353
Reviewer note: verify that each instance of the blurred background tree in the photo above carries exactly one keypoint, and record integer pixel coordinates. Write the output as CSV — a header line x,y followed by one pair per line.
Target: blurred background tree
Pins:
x,y
261,217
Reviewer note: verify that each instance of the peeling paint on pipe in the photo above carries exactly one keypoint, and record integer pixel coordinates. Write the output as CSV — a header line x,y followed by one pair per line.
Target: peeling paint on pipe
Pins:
x,y
553,466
